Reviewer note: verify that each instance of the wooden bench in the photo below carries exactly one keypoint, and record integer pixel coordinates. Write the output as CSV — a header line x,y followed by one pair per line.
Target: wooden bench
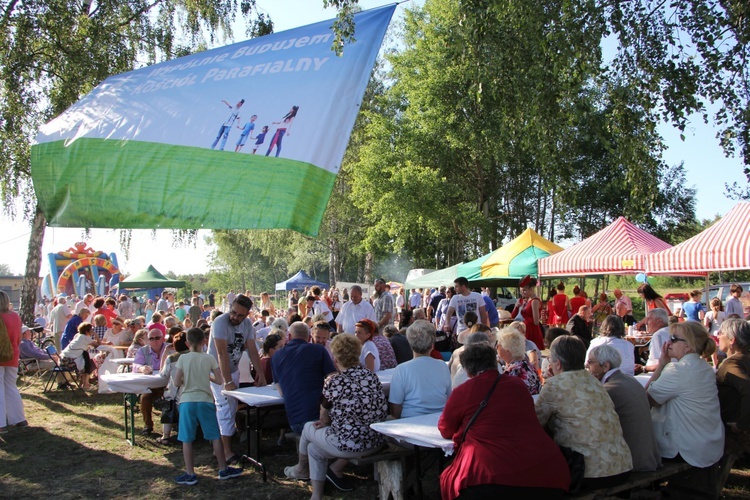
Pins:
x,y
389,470
635,481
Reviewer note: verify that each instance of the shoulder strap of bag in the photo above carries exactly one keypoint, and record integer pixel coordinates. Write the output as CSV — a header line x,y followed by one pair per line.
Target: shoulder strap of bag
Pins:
x,y
482,405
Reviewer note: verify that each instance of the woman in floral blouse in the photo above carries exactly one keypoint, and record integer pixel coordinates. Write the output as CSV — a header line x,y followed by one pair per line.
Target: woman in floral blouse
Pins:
x,y
511,348
351,401
580,415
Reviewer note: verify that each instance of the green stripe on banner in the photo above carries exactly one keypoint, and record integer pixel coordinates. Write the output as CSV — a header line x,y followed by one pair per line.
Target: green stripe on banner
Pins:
x,y
147,185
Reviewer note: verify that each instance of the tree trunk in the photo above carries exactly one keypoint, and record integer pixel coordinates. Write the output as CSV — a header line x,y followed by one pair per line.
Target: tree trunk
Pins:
x,y
33,266
369,259
332,262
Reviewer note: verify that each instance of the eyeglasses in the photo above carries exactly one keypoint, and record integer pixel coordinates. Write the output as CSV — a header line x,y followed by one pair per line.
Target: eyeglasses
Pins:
x,y
676,339
236,314
154,338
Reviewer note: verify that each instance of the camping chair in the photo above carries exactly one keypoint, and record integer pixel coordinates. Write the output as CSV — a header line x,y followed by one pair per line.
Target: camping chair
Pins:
x,y
30,369
64,371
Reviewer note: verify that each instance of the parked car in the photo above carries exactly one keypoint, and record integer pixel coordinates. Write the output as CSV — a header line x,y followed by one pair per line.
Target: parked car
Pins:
x,y
505,299
722,291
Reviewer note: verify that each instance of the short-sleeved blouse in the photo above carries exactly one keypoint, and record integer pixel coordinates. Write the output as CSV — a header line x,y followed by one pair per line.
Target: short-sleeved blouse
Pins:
x,y
357,400
369,347
523,370
385,352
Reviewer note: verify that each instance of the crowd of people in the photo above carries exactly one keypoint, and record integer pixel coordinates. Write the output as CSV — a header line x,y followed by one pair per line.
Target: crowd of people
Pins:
x,y
451,349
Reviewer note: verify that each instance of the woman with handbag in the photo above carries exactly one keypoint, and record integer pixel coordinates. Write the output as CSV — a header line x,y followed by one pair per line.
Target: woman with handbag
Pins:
x,y
501,448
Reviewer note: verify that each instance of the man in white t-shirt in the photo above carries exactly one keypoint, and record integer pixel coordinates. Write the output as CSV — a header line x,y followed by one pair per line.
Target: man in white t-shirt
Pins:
x,y
462,302
353,310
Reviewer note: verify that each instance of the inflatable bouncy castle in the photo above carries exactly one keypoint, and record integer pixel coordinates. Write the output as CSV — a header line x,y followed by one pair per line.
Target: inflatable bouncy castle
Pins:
x,y
80,270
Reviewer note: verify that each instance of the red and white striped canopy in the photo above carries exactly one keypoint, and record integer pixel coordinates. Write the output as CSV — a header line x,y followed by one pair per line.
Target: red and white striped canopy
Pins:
x,y
619,248
724,246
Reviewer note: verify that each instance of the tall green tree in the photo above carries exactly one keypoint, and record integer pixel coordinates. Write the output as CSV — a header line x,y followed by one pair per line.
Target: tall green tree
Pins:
x,y
498,118
54,51
679,56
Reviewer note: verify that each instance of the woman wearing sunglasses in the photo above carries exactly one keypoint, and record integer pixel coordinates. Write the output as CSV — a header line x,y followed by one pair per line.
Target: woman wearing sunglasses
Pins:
x,y
684,398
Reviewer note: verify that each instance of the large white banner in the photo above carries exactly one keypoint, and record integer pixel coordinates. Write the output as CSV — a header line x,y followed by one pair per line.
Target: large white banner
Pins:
x,y
249,135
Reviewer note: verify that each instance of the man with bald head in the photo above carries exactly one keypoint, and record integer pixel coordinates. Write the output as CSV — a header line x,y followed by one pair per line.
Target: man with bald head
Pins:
x,y
621,298
299,370
580,325
353,311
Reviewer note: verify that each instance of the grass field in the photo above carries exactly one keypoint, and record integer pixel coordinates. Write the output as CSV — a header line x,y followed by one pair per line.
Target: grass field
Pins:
x,y
75,448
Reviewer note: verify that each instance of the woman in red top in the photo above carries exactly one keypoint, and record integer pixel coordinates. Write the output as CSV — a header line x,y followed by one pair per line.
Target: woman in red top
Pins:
x,y
530,308
561,306
106,309
11,406
577,301
505,448
653,301
548,311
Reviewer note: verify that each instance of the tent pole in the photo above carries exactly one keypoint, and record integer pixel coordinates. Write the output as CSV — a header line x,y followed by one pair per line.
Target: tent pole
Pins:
x,y
708,299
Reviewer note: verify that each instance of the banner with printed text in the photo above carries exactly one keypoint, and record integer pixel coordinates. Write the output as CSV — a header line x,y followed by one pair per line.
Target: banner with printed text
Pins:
x,y
247,136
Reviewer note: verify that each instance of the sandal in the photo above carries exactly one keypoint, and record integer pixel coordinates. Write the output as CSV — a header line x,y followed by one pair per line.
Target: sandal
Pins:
x,y
291,474
163,440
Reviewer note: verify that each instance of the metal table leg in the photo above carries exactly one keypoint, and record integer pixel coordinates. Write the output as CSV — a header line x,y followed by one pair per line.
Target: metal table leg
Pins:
x,y
248,456
129,402
418,470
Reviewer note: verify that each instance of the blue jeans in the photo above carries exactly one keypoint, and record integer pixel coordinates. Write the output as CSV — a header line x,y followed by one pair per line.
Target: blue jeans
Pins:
x,y
223,135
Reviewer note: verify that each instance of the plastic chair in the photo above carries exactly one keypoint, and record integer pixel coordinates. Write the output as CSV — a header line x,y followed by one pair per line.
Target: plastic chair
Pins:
x,y
60,370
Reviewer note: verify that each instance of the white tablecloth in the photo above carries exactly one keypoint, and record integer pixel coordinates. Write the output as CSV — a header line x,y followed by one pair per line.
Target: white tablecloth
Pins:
x,y
133,383
267,395
419,431
114,352
385,377
643,378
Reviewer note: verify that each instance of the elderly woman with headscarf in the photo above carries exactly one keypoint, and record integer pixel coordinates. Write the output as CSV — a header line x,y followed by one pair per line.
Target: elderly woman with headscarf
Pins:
x,y
502,448
580,415
686,413
611,333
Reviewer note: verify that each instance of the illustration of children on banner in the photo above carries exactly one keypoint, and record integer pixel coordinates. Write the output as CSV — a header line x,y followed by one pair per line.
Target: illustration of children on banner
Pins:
x,y
284,129
227,125
260,138
246,131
